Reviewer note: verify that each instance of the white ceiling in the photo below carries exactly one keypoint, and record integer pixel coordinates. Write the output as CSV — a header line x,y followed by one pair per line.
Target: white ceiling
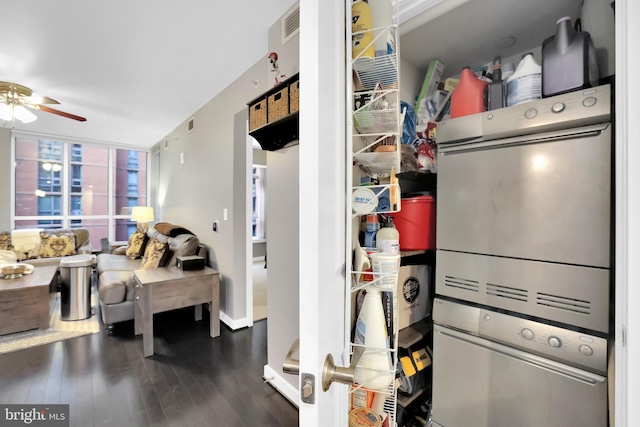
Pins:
x,y
468,32
134,69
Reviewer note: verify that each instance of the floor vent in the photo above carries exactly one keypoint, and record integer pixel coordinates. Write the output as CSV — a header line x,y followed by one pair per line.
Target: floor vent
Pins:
x,y
564,303
457,282
502,291
290,24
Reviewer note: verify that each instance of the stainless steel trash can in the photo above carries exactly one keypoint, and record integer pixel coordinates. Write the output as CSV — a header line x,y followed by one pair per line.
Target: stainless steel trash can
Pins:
x,y
75,290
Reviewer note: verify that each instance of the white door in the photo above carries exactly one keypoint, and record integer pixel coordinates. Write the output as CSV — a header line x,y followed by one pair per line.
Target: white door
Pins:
x,y
322,205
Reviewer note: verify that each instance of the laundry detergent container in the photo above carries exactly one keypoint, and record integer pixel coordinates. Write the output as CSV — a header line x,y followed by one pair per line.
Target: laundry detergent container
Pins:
x,y
416,223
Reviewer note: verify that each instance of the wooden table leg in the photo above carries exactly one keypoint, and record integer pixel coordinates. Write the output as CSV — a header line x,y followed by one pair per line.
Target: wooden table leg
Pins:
x,y
147,321
138,310
214,312
198,312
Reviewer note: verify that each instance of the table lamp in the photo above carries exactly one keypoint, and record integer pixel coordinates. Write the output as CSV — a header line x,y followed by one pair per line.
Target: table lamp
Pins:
x,y
142,215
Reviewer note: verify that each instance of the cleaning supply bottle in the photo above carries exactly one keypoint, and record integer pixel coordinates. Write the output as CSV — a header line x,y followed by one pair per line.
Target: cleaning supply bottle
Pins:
x,y
370,231
382,20
568,60
469,95
373,371
526,82
362,43
388,237
495,90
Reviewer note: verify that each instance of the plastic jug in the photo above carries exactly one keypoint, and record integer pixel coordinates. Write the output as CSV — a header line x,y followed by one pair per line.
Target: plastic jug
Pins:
x,y
568,60
373,369
363,49
525,84
388,238
496,90
469,95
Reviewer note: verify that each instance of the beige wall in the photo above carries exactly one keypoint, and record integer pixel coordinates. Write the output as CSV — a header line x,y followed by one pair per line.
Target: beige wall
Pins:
x,y
282,230
196,193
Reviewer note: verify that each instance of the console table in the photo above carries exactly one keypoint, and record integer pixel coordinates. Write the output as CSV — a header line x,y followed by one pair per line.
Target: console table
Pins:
x,y
164,289
24,302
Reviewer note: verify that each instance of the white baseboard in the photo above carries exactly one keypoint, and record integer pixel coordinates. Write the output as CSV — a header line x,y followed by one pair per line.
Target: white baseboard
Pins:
x,y
279,383
234,324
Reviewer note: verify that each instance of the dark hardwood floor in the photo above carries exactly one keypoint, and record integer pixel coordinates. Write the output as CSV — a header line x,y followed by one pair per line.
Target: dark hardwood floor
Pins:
x,y
192,380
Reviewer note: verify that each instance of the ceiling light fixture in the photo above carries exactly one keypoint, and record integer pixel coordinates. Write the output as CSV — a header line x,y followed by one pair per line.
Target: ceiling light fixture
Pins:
x,y
22,114
11,106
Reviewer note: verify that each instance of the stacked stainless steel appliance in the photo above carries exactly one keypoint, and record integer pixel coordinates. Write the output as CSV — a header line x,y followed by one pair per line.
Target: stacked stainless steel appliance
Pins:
x,y
523,268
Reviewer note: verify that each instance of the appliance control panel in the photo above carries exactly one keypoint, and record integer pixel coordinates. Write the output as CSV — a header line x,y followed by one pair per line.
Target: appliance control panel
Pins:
x,y
566,345
579,108
582,107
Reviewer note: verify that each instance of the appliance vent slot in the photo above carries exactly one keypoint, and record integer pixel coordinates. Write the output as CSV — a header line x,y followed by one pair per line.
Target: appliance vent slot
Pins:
x,y
190,125
290,24
502,291
457,282
564,303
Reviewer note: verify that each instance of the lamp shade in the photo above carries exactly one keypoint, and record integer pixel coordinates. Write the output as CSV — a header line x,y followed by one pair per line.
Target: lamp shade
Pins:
x,y
142,213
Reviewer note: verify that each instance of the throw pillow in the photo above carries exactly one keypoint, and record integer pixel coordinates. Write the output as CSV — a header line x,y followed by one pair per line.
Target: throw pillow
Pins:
x,y
5,241
57,246
136,245
156,254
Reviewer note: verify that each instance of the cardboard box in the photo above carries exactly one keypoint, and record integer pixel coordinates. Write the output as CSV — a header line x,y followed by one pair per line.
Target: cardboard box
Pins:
x,y
413,299
431,80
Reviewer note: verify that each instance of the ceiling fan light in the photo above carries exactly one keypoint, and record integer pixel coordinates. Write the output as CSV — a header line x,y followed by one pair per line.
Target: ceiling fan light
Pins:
x,y
5,112
24,115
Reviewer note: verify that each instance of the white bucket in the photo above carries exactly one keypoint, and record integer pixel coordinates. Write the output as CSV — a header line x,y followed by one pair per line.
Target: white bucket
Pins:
x,y
385,268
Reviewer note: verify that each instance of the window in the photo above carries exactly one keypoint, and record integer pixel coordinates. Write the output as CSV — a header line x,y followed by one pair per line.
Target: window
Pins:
x,y
61,184
258,198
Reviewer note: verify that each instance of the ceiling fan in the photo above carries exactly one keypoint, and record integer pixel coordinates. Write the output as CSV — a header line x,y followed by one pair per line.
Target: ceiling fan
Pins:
x,y
15,100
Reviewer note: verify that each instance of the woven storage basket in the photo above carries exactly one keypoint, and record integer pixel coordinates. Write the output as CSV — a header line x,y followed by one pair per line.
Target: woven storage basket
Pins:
x,y
258,115
294,96
278,105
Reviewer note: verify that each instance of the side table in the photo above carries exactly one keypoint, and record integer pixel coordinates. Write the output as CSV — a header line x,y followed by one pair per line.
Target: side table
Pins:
x,y
164,289
25,301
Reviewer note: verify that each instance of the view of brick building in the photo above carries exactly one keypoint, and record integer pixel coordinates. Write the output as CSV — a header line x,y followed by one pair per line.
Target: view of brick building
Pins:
x,y
67,185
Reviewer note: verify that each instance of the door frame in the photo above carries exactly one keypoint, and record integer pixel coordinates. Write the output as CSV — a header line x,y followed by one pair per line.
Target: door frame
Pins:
x,y
322,205
627,269
248,232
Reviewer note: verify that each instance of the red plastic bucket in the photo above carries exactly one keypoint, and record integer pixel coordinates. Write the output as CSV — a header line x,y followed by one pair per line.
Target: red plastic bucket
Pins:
x,y
416,223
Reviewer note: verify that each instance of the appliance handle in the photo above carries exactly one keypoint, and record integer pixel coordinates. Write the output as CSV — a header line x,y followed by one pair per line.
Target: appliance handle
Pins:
x,y
541,362
471,146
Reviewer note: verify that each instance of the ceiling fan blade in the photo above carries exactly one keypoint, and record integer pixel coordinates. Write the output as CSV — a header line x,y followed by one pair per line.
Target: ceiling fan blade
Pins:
x,y
60,113
39,100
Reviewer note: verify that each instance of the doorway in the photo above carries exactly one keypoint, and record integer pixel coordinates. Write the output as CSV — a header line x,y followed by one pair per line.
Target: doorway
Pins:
x,y
258,234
